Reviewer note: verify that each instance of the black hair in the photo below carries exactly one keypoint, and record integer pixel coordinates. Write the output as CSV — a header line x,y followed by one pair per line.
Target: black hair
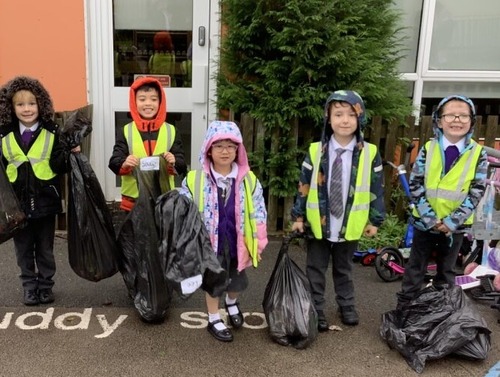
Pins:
x,y
149,86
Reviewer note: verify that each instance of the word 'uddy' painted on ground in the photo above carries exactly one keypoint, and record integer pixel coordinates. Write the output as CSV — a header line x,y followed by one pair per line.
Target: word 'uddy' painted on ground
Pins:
x,y
66,321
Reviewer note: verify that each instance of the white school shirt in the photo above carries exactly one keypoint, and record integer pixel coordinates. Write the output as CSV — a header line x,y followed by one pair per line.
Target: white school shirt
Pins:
x,y
336,224
225,182
22,127
460,144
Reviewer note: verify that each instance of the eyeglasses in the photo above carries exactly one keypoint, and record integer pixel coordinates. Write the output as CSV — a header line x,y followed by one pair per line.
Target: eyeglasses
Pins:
x,y
449,118
229,148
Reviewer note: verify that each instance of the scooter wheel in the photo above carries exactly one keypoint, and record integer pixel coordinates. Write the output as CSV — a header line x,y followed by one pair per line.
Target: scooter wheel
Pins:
x,y
368,259
382,265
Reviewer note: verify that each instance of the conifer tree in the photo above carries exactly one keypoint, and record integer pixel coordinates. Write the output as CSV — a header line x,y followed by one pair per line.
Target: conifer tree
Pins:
x,y
281,58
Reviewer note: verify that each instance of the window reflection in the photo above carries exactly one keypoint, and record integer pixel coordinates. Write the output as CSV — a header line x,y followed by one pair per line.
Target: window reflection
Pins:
x,y
153,37
463,37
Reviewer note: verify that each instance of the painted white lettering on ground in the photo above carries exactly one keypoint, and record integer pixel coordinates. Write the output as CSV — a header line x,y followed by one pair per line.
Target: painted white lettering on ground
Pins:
x,y
44,323
66,321
198,320
263,325
83,324
108,329
6,320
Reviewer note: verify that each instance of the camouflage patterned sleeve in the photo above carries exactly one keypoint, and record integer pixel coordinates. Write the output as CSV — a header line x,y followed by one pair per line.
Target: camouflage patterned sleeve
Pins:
x,y
428,217
476,191
377,204
299,208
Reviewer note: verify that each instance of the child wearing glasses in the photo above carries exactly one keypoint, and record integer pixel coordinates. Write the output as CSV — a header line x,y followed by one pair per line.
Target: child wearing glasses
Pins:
x,y
446,183
232,206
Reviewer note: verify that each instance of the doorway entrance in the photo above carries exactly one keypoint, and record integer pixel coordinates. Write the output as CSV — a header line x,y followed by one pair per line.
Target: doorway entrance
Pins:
x,y
166,39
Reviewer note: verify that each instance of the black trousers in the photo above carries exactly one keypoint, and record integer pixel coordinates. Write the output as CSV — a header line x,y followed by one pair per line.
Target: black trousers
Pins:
x,y
319,253
424,245
34,246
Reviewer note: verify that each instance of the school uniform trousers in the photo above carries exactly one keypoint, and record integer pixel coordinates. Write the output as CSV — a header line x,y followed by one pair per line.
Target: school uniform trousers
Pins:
x,y
34,246
319,253
429,246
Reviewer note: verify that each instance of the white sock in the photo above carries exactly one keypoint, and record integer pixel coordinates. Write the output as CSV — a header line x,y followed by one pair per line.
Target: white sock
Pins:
x,y
214,317
232,310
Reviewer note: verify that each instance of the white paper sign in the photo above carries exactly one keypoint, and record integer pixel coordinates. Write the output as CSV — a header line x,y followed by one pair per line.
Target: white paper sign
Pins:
x,y
150,163
190,285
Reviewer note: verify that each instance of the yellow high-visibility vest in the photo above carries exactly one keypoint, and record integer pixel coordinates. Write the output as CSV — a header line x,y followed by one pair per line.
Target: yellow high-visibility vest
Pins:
x,y
38,155
166,137
358,215
195,180
445,194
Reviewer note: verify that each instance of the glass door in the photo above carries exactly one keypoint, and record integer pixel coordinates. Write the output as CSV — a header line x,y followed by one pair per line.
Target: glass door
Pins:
x,y
165,39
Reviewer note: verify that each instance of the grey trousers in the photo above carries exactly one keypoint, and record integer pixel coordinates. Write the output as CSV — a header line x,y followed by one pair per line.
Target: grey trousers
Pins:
x,y
422,249
318,258
34,246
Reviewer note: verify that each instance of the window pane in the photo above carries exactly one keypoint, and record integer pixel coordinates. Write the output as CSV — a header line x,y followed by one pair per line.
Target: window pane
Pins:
x,y
153,37
465,35
410,22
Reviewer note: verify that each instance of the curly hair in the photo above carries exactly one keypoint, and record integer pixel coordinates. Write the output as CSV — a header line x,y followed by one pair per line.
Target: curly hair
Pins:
x,y
7,92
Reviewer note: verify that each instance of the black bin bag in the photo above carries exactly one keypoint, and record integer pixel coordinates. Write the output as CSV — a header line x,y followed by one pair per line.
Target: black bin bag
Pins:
x,y
190,262
12,218
437,323
92,246
288,305
140,262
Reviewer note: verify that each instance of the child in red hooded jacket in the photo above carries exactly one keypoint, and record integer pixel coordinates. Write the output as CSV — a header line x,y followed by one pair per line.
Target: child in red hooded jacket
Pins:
x,y
147,135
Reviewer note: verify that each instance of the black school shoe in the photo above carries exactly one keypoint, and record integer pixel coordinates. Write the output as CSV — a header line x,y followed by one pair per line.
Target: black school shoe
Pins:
x,y
236,320
221,335
349,315
323,325
46,296
31,298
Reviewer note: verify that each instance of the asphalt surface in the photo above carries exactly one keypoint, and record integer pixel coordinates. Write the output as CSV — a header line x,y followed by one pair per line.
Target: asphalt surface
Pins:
x,y
93,329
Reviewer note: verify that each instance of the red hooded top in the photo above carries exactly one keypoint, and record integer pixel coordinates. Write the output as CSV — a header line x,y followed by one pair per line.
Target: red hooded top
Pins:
x,y
148,129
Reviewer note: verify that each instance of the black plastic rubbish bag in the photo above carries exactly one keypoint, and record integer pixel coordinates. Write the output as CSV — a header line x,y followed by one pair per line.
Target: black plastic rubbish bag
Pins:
x,y
288,305
190,261
92,246
140,261
437,323
12,218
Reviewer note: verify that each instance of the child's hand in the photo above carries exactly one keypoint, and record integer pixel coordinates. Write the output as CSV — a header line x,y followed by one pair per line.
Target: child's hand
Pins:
x,y
169,157
76,149
370,230
298,226
130,162
442,228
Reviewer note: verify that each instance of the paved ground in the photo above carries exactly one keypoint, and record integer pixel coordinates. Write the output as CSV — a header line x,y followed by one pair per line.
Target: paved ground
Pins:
x,y
93,330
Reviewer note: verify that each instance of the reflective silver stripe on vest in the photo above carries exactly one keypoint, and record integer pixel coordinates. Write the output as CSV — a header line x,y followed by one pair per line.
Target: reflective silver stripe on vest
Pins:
x,y
32,160
130,139
444,193
45,150
365,185
252,189
169,136
196,192
314,181
9,151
